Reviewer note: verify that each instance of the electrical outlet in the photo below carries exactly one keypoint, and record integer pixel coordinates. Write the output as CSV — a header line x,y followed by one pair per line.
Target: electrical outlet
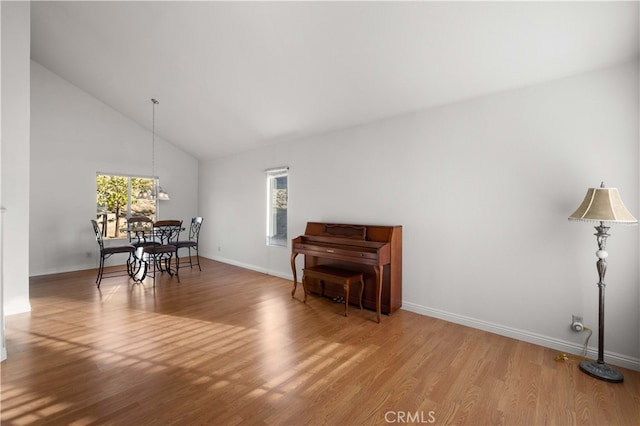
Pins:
x,y
576,323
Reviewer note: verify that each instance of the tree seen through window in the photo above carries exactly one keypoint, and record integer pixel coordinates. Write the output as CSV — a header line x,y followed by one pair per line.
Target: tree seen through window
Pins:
x,y
119,198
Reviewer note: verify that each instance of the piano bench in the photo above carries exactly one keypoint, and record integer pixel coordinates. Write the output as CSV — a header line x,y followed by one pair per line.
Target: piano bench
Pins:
x,y
334,275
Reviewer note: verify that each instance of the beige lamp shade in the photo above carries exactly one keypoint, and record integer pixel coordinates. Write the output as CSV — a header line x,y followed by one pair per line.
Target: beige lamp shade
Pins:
x,y
603,205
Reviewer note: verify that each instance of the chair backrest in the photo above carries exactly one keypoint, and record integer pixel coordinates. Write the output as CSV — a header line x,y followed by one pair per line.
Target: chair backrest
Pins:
x,y
139,223
194,231
98,233
138,227
167,231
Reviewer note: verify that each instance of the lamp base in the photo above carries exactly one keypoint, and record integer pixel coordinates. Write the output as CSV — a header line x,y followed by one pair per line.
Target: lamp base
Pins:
x,y
601,371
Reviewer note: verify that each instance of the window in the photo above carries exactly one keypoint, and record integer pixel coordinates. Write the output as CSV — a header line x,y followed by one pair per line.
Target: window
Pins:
x,y
277,198
119,198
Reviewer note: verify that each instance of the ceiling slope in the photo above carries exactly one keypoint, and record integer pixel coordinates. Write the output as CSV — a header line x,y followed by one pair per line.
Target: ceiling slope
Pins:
x,y
234,76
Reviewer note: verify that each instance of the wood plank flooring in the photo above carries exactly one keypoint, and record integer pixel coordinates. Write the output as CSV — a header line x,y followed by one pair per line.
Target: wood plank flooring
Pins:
x,y
229,346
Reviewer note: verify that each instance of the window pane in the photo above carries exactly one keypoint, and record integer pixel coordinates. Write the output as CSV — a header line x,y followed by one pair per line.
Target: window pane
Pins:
x,y
141,202
277,220
118,198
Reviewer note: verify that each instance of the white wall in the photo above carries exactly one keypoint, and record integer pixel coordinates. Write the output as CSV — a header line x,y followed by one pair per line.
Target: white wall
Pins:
x,y
15,155
483,189
73,136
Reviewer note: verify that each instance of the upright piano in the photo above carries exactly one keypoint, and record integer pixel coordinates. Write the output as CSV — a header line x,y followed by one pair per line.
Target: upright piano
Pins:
x,y
375,250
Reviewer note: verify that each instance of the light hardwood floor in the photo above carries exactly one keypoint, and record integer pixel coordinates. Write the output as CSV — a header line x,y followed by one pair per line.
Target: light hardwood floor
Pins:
x,y
230,346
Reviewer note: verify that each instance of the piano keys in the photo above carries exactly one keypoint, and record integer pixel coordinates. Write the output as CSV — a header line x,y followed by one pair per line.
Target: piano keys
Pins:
x,y
375,250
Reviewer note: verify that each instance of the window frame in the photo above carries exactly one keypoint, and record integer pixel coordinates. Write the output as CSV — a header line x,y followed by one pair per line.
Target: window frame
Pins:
x,y
272,240
130,198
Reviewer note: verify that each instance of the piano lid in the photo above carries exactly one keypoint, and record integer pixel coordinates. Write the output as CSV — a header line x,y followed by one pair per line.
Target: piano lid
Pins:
x,y
324,240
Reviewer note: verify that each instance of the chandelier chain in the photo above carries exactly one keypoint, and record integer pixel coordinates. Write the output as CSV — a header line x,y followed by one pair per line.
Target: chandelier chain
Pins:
x,y
153,145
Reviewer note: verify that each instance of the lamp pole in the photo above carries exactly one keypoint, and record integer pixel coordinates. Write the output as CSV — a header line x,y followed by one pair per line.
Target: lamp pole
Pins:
x,y
599,369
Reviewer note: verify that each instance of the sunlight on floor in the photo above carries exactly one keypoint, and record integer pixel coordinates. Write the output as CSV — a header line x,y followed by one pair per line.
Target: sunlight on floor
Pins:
x,y
164,344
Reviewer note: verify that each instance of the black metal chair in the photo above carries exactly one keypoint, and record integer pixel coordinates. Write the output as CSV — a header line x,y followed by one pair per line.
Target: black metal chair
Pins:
x,y
157,254
107,252
192,242
140,233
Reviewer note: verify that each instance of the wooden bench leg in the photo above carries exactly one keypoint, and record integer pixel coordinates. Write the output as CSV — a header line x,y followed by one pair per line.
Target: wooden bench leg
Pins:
x,y
337,276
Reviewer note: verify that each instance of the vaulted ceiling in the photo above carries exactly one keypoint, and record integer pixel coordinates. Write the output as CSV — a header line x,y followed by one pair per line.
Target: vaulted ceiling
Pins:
x,y
234,76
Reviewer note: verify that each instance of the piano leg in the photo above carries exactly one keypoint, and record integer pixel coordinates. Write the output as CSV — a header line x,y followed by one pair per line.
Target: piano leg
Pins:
x,y
304,288
295,275
376,268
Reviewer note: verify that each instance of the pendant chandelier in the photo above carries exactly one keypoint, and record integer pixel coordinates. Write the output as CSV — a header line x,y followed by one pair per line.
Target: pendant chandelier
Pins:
x,y
156,191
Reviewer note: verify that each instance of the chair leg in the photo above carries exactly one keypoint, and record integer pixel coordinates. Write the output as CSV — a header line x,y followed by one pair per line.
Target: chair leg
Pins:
x,y
130,264
141,265
100,271
177,266
167,265
160,263
198,258
154,261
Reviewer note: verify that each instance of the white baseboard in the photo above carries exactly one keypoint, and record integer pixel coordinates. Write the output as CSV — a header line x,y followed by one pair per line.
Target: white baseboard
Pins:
x,y
69,268
17,307
526,336
252,267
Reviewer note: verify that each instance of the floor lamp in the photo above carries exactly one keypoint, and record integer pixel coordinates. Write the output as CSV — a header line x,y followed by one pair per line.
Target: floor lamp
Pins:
x,y
602,205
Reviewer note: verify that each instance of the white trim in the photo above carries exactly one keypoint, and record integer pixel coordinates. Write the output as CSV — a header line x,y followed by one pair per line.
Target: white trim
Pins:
x,y
277,170
236,263
3,342
252,267
129,175
526,336
17,307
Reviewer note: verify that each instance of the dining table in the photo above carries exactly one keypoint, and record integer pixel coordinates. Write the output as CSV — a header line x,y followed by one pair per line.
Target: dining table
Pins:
x,y
155,248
